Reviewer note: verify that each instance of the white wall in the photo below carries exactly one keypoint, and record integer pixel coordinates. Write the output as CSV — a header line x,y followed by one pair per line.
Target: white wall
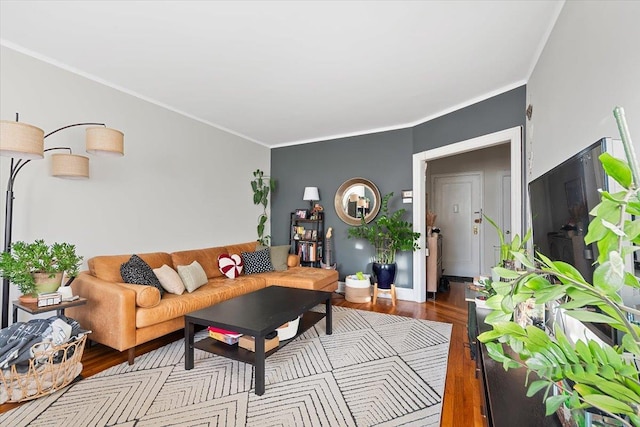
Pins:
x,y
182,184
493,162
590,64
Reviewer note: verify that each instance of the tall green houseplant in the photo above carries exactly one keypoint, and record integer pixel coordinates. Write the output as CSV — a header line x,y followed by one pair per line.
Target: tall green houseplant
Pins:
x,y
262,186
591,374
388,233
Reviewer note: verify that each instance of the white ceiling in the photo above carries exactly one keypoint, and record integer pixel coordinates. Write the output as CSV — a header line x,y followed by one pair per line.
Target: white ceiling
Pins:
x,y
284,72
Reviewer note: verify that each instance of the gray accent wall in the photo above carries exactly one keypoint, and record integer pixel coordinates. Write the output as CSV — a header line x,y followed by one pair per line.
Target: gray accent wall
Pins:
x,y
385,158
494,114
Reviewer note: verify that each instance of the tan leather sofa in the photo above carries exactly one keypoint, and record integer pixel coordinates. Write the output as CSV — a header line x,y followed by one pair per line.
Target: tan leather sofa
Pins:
x,y
122,315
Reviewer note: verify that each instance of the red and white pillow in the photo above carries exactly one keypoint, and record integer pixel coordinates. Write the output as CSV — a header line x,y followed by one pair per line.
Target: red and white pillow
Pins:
x,y
230,265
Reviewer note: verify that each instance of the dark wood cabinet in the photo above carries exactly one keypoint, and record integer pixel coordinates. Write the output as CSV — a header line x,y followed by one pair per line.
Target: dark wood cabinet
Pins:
x,y
306,236
503,393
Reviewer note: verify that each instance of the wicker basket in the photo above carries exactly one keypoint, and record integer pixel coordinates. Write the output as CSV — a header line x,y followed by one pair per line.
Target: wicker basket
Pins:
x,y
44,376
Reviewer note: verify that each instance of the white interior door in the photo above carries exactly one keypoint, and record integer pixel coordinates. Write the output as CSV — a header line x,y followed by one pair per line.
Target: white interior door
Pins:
x,y
457,200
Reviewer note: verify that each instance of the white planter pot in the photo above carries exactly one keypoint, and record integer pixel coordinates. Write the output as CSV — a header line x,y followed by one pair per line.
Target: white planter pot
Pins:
x,y
356,290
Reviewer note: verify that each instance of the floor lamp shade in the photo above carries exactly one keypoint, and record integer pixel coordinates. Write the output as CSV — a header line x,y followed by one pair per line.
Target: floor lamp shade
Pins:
x,y
20,140
69,166
105,141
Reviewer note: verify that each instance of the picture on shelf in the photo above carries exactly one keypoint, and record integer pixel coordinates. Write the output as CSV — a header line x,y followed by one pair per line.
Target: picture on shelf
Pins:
x,y
301,213
307,234
314,235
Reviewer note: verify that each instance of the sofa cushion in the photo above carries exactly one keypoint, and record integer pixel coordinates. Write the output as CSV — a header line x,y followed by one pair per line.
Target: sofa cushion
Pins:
x,y
207,258
192,275
107,267
137,271
257,262
169,279
303,278
230,265
215,291
146,296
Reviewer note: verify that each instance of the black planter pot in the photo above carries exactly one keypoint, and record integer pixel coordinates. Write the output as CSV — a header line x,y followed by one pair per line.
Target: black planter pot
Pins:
x,y
385,274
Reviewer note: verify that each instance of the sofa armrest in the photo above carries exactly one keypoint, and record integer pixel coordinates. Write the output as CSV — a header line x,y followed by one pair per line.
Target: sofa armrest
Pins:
x,y
293,260
110,312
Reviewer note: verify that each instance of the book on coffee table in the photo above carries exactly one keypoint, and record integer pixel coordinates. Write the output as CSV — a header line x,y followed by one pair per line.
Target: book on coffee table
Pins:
x,y
227,337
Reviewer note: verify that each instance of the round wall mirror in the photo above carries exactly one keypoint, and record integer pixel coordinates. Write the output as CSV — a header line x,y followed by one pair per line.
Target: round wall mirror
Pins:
x,y
355,199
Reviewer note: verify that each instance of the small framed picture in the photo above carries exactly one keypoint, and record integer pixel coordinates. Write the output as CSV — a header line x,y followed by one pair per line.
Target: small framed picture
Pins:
x,y
308,234
314,235
301,213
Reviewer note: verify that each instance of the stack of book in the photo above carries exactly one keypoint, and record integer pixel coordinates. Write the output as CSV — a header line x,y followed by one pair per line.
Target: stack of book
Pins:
x,y
227,337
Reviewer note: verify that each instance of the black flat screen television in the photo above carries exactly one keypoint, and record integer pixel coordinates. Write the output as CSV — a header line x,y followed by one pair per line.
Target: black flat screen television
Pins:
x,y
560,202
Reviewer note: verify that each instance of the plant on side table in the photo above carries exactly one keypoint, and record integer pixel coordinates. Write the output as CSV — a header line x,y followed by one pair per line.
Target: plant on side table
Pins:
x,y
507,249
388,233
586,374
262,186
37,267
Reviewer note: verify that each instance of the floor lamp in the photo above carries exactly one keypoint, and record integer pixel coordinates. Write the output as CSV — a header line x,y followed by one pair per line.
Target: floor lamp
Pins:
x,y
23,143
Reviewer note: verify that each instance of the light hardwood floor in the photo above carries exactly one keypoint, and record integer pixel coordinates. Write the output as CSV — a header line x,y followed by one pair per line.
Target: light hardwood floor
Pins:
x,y
461,396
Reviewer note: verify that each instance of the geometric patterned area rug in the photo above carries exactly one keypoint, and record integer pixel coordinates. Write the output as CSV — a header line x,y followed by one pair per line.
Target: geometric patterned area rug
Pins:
x,y
375,370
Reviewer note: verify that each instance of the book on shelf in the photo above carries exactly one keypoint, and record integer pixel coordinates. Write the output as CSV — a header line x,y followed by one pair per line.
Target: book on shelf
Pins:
x,y
219,334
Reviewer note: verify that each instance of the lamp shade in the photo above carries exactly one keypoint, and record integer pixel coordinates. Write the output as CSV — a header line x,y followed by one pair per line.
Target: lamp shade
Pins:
x,y
105,141
69,166
311,193
20,140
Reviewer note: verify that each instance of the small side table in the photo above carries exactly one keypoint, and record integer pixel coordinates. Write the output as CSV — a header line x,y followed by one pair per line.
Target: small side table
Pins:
x,y
32,308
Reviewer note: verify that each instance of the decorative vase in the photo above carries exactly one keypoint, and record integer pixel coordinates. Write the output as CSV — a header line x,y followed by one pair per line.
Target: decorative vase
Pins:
x,y
385,274
46,284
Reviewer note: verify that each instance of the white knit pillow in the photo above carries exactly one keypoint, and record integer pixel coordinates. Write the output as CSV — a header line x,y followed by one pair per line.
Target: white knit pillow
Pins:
x,y
192,275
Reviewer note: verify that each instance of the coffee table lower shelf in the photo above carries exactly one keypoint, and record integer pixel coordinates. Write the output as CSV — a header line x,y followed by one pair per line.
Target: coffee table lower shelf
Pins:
x,y
236,352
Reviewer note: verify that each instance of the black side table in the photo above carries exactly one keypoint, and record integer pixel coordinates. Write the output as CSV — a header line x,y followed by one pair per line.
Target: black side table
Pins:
x,y
32,308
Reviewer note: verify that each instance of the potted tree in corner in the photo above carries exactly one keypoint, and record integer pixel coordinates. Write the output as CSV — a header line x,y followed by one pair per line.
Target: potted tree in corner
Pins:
x,y
37,267
388,233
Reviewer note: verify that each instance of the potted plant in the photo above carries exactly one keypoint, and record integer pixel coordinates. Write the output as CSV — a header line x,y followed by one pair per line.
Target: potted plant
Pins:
x,y
37,267
507,249
585,374
262,186
388,234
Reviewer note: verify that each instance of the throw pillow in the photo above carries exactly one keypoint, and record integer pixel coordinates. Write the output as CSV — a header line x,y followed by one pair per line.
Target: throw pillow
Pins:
x,y
192,275
230,265
279,256
138,272
257,262
169,279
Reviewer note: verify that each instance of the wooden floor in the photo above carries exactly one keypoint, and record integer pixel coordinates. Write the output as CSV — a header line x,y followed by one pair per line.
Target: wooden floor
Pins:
x,y
461,396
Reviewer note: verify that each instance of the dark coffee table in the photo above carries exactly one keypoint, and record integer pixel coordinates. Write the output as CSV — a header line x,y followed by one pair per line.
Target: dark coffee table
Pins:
x,y
255,314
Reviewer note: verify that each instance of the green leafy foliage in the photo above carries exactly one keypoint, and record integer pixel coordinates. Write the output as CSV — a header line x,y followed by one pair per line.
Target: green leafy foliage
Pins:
x,y
37,257
262,186
591,374
509,249
388,233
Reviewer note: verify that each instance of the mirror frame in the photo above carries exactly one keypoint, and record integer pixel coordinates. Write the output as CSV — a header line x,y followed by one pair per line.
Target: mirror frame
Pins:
x,y
337,201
